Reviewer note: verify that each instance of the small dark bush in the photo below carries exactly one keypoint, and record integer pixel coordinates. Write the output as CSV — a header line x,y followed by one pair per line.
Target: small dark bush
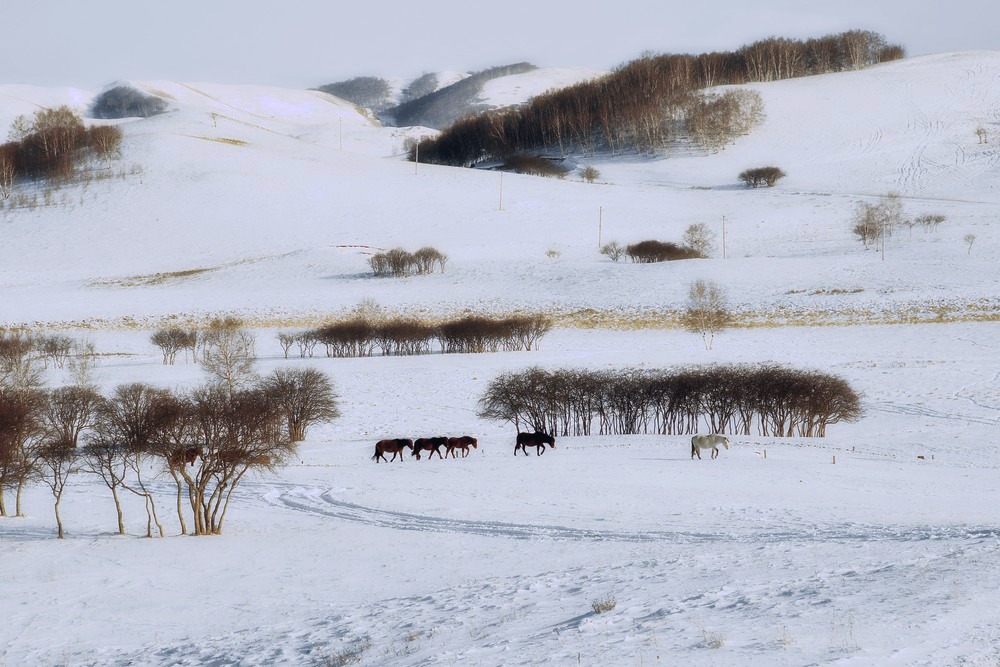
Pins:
x,y
754,178
649,252
534,165
126,102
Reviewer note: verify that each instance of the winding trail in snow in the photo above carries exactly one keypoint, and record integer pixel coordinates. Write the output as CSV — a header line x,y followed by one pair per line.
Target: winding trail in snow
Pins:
x,y
322,503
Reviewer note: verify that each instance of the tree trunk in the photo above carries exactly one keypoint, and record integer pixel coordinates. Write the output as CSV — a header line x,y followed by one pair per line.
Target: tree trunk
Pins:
x,y
17,501
58,519
3,505
180,505
118,508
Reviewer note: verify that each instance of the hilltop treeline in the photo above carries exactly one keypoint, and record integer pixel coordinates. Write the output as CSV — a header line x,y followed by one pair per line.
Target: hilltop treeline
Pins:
x,y
773,400
126,102
361,337
646,103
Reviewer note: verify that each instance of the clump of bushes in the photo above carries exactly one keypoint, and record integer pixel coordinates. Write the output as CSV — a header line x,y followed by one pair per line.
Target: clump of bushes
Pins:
x,y
399,262
359,336
52,144
613,250
651,251
535,165
776,401
758,176
126,102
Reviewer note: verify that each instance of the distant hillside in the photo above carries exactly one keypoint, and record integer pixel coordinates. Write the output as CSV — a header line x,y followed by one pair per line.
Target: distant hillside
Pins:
x,y
443,107
643,105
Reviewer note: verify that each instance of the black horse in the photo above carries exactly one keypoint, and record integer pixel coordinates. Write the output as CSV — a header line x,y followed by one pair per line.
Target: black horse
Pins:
x,y
536,439
432,445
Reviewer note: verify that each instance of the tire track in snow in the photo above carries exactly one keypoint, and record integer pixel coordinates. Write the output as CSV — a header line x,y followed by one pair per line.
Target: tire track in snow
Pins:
x,y
308,501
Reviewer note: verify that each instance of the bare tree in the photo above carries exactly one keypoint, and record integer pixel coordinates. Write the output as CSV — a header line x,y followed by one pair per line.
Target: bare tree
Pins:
x,y
590,174
56,465
70,410
229,355
700,238
305,397
8,170
286,340
706,313
613,250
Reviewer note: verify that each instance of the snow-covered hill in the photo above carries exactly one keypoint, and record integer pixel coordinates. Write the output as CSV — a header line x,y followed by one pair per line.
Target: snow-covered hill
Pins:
x,y
875,546
249,186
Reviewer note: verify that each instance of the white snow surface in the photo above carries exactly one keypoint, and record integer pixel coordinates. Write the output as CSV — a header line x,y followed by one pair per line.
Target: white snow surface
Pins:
x,y
517,89
267,209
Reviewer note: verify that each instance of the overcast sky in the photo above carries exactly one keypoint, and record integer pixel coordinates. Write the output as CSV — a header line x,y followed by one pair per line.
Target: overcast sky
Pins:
x,y
303,43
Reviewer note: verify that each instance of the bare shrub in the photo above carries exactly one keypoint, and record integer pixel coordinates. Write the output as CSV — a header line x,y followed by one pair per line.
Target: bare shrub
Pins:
x,y
605,604
706,312
929,221
105,141
535,165
614,250
286,340
969,239
427,258
758,176
700,238
590,174
170,341
873,223
55,348
649,252
8,169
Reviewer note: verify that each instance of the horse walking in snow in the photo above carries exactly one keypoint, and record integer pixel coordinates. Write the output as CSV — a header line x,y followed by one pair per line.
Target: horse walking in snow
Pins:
x,y
537,439
712,442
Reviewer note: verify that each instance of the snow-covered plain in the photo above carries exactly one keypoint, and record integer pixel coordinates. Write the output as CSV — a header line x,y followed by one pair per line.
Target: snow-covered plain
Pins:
x,y
879,559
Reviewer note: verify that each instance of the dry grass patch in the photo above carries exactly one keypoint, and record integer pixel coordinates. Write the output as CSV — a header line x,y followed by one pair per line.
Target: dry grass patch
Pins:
x,y
151,279
225,140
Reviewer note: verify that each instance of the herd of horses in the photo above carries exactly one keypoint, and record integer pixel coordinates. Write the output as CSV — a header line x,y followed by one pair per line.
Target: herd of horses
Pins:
x,y
397,446
538,440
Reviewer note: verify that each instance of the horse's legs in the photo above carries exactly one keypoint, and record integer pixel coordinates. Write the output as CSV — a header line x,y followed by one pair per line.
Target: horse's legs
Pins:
x,y
696,450
715,453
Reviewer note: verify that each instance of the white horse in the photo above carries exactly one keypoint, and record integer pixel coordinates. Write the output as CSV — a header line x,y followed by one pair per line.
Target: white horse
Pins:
x,y
712,442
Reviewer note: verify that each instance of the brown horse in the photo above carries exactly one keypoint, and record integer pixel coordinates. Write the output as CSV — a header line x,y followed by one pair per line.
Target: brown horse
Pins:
x,y
536,439
394,447
185,456
462,443
432,445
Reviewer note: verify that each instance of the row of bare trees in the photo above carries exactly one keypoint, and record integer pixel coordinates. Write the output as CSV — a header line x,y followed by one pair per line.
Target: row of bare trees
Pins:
x,y
360,336
647,103
772,400
52,144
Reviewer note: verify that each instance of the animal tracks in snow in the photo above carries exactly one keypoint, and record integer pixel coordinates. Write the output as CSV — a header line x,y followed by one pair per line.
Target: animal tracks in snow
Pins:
x,y
319,503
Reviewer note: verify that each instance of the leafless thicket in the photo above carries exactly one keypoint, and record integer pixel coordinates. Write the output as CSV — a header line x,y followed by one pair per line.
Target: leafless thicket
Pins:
x,y
399,262
126,102
359,336
706,312
651,251
758,176
772,400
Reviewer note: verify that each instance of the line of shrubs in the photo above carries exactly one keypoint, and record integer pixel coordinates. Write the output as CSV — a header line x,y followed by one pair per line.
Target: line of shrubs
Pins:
x,y
775,401
361,337
399,262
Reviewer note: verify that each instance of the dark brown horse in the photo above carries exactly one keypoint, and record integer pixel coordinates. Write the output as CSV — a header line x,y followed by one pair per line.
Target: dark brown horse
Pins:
x,y
432,445
536,439
185,456
394,447
462,443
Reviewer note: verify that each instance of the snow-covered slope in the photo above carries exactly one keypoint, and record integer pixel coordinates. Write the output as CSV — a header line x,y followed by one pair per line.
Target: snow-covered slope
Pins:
x,y
266,202
517,89
249,186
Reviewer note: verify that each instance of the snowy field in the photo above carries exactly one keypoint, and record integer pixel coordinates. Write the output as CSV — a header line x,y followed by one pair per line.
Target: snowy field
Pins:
x,y
881,558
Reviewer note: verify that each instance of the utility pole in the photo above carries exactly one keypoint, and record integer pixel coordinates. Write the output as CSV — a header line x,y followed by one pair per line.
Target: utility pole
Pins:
x,y
600,225
416,157
723,237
